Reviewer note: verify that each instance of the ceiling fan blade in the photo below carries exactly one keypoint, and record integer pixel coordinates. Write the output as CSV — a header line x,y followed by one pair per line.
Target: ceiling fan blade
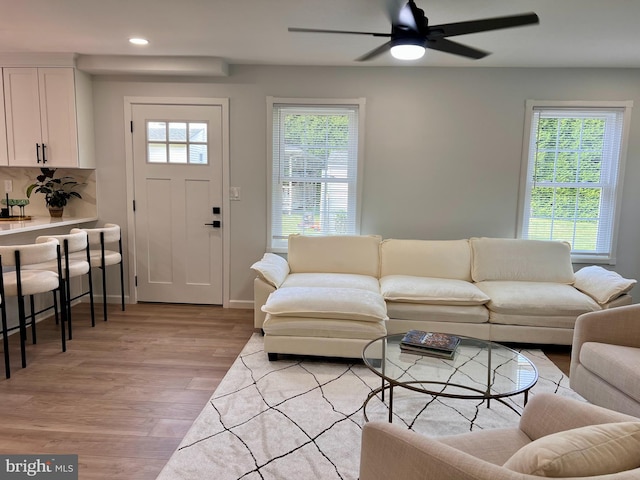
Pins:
x,y
407,17
474,26
375,52
444,45
316,30
393,8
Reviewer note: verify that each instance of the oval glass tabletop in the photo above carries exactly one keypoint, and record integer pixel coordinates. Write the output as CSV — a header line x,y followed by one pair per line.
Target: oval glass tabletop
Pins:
x,y
479,369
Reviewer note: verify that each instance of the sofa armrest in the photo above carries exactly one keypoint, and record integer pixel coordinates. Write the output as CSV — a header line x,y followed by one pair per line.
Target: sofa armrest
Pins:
x,y
392,451
271,268
601,284
548,413
615,326
261,291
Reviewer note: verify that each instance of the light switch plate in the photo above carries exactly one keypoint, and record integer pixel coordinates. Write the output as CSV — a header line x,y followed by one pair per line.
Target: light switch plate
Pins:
x,y
234,193
8,186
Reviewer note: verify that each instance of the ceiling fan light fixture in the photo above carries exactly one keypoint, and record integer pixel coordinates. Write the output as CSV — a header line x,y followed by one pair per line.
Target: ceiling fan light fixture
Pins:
x,y
138,41
407,51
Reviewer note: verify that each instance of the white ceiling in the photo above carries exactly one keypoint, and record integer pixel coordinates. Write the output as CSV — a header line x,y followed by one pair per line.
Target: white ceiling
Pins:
x,y
571,33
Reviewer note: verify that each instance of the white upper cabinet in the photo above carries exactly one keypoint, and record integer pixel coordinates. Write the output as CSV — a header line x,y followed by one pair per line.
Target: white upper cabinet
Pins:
x,y
4,160
43,107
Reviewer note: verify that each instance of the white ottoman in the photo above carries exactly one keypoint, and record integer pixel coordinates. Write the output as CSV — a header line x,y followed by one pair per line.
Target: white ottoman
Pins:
x,y
322,321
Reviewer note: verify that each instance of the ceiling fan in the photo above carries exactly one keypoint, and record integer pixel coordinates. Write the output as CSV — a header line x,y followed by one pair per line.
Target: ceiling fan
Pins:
x,y
411,33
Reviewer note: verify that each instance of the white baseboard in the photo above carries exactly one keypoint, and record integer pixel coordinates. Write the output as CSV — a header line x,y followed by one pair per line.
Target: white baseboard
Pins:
x,y
241,304
110,298
244,304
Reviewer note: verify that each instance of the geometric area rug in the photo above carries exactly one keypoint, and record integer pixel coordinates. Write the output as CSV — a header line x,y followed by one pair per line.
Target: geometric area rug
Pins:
x,y
301,418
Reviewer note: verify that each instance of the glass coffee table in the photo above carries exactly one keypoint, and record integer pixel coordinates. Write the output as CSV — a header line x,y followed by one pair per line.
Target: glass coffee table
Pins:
x,y
479,370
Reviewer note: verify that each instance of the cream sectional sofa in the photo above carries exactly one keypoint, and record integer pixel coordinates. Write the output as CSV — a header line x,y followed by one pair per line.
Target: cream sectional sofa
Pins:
x,y
332,295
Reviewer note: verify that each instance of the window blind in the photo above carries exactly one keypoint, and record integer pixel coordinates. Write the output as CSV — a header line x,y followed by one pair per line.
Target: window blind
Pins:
x,y
314,171
572,177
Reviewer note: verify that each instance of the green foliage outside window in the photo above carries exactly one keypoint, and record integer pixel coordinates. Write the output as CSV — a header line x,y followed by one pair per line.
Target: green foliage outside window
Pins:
x,y
568,159
313,143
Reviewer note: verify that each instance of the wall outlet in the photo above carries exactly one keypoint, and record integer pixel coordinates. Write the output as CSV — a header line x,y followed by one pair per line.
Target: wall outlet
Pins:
x,y
8,186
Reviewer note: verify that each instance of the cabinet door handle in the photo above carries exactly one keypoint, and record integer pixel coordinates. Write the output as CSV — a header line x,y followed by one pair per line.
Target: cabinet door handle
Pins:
x,y
44,154
38,152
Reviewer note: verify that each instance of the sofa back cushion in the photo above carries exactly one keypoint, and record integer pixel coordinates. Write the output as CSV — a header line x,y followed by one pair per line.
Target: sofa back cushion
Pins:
x,y
358,254
521,260
426,258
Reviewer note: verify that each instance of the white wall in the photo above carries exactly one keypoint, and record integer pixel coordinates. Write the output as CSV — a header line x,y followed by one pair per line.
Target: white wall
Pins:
x,y
443,146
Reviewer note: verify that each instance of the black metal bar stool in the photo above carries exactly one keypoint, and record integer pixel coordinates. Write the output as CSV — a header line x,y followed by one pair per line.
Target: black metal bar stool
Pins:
x,y
71,268
102,257
18,281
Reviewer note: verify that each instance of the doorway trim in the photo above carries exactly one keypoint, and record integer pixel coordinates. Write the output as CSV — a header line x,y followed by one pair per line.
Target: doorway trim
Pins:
x,y
223,103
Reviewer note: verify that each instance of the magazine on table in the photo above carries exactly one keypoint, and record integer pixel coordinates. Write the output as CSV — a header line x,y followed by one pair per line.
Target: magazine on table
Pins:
x,y
430,343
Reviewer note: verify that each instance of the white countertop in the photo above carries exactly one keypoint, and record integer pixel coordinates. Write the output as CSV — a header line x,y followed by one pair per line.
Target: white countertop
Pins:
x,y
40,223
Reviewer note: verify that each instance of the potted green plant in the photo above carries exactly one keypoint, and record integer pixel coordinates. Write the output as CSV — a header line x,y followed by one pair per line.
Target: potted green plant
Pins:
x,y
57,191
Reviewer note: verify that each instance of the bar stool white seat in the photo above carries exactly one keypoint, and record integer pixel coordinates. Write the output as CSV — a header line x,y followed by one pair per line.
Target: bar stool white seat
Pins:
x,y
71,268
19,282
102,257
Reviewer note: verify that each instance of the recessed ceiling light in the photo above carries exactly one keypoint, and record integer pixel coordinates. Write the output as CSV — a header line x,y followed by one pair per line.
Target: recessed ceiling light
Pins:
x,y
139,41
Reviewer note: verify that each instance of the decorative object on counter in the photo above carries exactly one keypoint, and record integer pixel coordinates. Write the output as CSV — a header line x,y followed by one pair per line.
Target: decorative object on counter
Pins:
x,y
7,213
57,191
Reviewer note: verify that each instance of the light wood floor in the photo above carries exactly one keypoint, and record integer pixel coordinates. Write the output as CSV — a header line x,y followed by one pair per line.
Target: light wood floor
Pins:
x,y
125,392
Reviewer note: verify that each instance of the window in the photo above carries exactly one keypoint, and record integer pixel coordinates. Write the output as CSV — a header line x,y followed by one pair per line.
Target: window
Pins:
x,y
177,142
574,159
315,168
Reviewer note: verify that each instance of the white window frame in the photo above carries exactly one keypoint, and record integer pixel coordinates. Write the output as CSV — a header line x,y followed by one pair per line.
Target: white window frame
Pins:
x,y
616,175
280,245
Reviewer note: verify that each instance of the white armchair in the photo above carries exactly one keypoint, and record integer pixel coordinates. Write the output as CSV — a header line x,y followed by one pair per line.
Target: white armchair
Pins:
x,y
390,451
605,358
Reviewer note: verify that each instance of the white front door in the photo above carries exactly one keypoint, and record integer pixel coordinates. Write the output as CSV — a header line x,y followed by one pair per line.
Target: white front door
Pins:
x,y
178,168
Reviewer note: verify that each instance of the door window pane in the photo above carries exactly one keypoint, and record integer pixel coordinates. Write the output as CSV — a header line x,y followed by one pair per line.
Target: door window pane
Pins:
x,y
157,131
157,153
177,153
177,132
198,132
198,154
177,142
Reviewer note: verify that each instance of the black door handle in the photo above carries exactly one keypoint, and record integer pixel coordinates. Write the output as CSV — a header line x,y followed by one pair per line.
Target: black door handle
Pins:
x,y
215,224
38,152
44,154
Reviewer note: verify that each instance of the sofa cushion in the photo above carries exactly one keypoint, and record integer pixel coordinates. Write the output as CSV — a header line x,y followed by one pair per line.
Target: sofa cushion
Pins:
x,y
326,302
426,258
581,452
336,280
272,268
536,321
323,327
335,254
508,259
434,291
615,364
601,284
536,298
437,313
